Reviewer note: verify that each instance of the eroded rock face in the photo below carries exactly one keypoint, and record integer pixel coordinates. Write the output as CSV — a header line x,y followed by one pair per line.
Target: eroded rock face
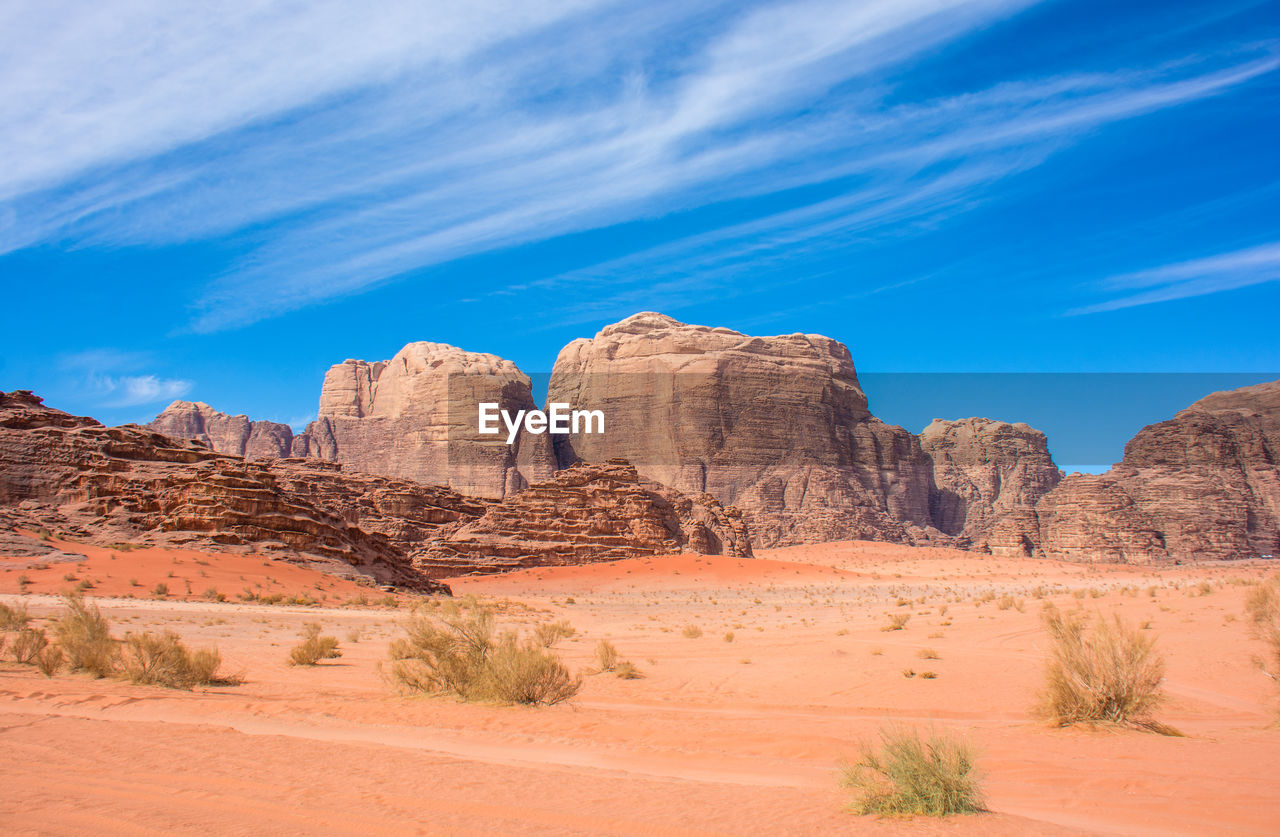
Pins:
x,y
584,514
73,476
236,435
1203,485
414,417
988,477
777,426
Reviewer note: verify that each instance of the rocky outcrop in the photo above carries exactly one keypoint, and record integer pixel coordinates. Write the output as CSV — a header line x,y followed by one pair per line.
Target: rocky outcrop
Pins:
x,y
236,435
414,417
584,514
988,477
777,426
71,475
1203,485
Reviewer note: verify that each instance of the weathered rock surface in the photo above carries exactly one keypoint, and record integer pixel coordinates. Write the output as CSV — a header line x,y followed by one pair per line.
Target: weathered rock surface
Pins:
x,y
414,417
71,475
236,435
584,514
777,426
1203,485
988,476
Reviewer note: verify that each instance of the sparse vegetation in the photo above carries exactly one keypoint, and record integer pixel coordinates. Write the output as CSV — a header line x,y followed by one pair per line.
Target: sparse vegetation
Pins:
x,y
28,644
163,660
606,656
897,621
1263,606
85,637
314,647
549,633
13,618
934,776
691,632
50,660
1101,671
461,656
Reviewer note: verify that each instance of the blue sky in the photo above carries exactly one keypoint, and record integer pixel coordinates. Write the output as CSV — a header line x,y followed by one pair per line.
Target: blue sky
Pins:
x,y
219,203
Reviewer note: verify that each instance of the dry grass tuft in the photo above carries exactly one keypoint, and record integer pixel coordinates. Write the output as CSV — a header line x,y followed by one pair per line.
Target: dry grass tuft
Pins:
x,y
162,660
691,632
897,621
549,633
1101,671
50,661
1263,606
606,656
85,637
910,775
314,647
461,656
28,644
13,618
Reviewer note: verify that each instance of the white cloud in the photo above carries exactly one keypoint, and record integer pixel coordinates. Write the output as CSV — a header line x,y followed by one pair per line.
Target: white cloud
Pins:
x,y
99,378
1195,277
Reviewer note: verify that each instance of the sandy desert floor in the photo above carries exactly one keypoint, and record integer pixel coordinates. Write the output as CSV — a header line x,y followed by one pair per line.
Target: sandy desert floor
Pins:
x,y
738,731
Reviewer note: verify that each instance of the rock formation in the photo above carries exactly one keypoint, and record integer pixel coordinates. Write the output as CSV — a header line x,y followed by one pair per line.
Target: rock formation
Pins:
x,y
1203,485
236,435
71,475
777,426
414,417
584,514
988,476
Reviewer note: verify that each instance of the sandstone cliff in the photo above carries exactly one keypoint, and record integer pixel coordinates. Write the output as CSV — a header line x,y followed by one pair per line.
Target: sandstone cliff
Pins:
x,y
414,416
236,435
988,476
777,426
73,476
1203,485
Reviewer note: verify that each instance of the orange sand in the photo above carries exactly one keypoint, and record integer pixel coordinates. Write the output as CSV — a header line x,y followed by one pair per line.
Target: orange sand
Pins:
x,y
720,737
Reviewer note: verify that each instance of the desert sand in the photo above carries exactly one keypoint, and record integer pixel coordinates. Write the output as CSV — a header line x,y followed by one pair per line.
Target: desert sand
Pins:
x,y
740,734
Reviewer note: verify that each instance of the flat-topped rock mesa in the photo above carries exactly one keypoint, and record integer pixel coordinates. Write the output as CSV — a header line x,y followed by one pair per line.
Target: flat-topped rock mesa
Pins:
x,y
988,476
1202,485
236,435
777,426
414,417
71,475
585,514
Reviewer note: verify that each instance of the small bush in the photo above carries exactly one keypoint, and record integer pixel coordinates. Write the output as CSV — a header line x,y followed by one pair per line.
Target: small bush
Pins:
x,y
691,632
85,637
13,618
897,621
549,633
163,660
625,670
1263,606
728,637
160,590
1101,671
910,775
50,661
314,647
606,656
460,655
28,644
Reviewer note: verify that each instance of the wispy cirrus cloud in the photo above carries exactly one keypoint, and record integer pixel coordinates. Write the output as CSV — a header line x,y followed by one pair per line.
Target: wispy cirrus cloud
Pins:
x,y
353,148
109,378
1191,278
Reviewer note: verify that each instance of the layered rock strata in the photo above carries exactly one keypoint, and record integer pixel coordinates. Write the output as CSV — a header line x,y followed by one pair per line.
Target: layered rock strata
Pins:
x,y
777,426
988,477
236,435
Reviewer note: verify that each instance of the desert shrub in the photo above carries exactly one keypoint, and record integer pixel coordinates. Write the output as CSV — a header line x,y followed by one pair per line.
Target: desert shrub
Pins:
x,y
50,660
606,656
729,637
626,670
163,660
691,632
460,655
85,637
314,647
13,618
1101,671
549,633
1263,606
897,621
28,644
908,774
